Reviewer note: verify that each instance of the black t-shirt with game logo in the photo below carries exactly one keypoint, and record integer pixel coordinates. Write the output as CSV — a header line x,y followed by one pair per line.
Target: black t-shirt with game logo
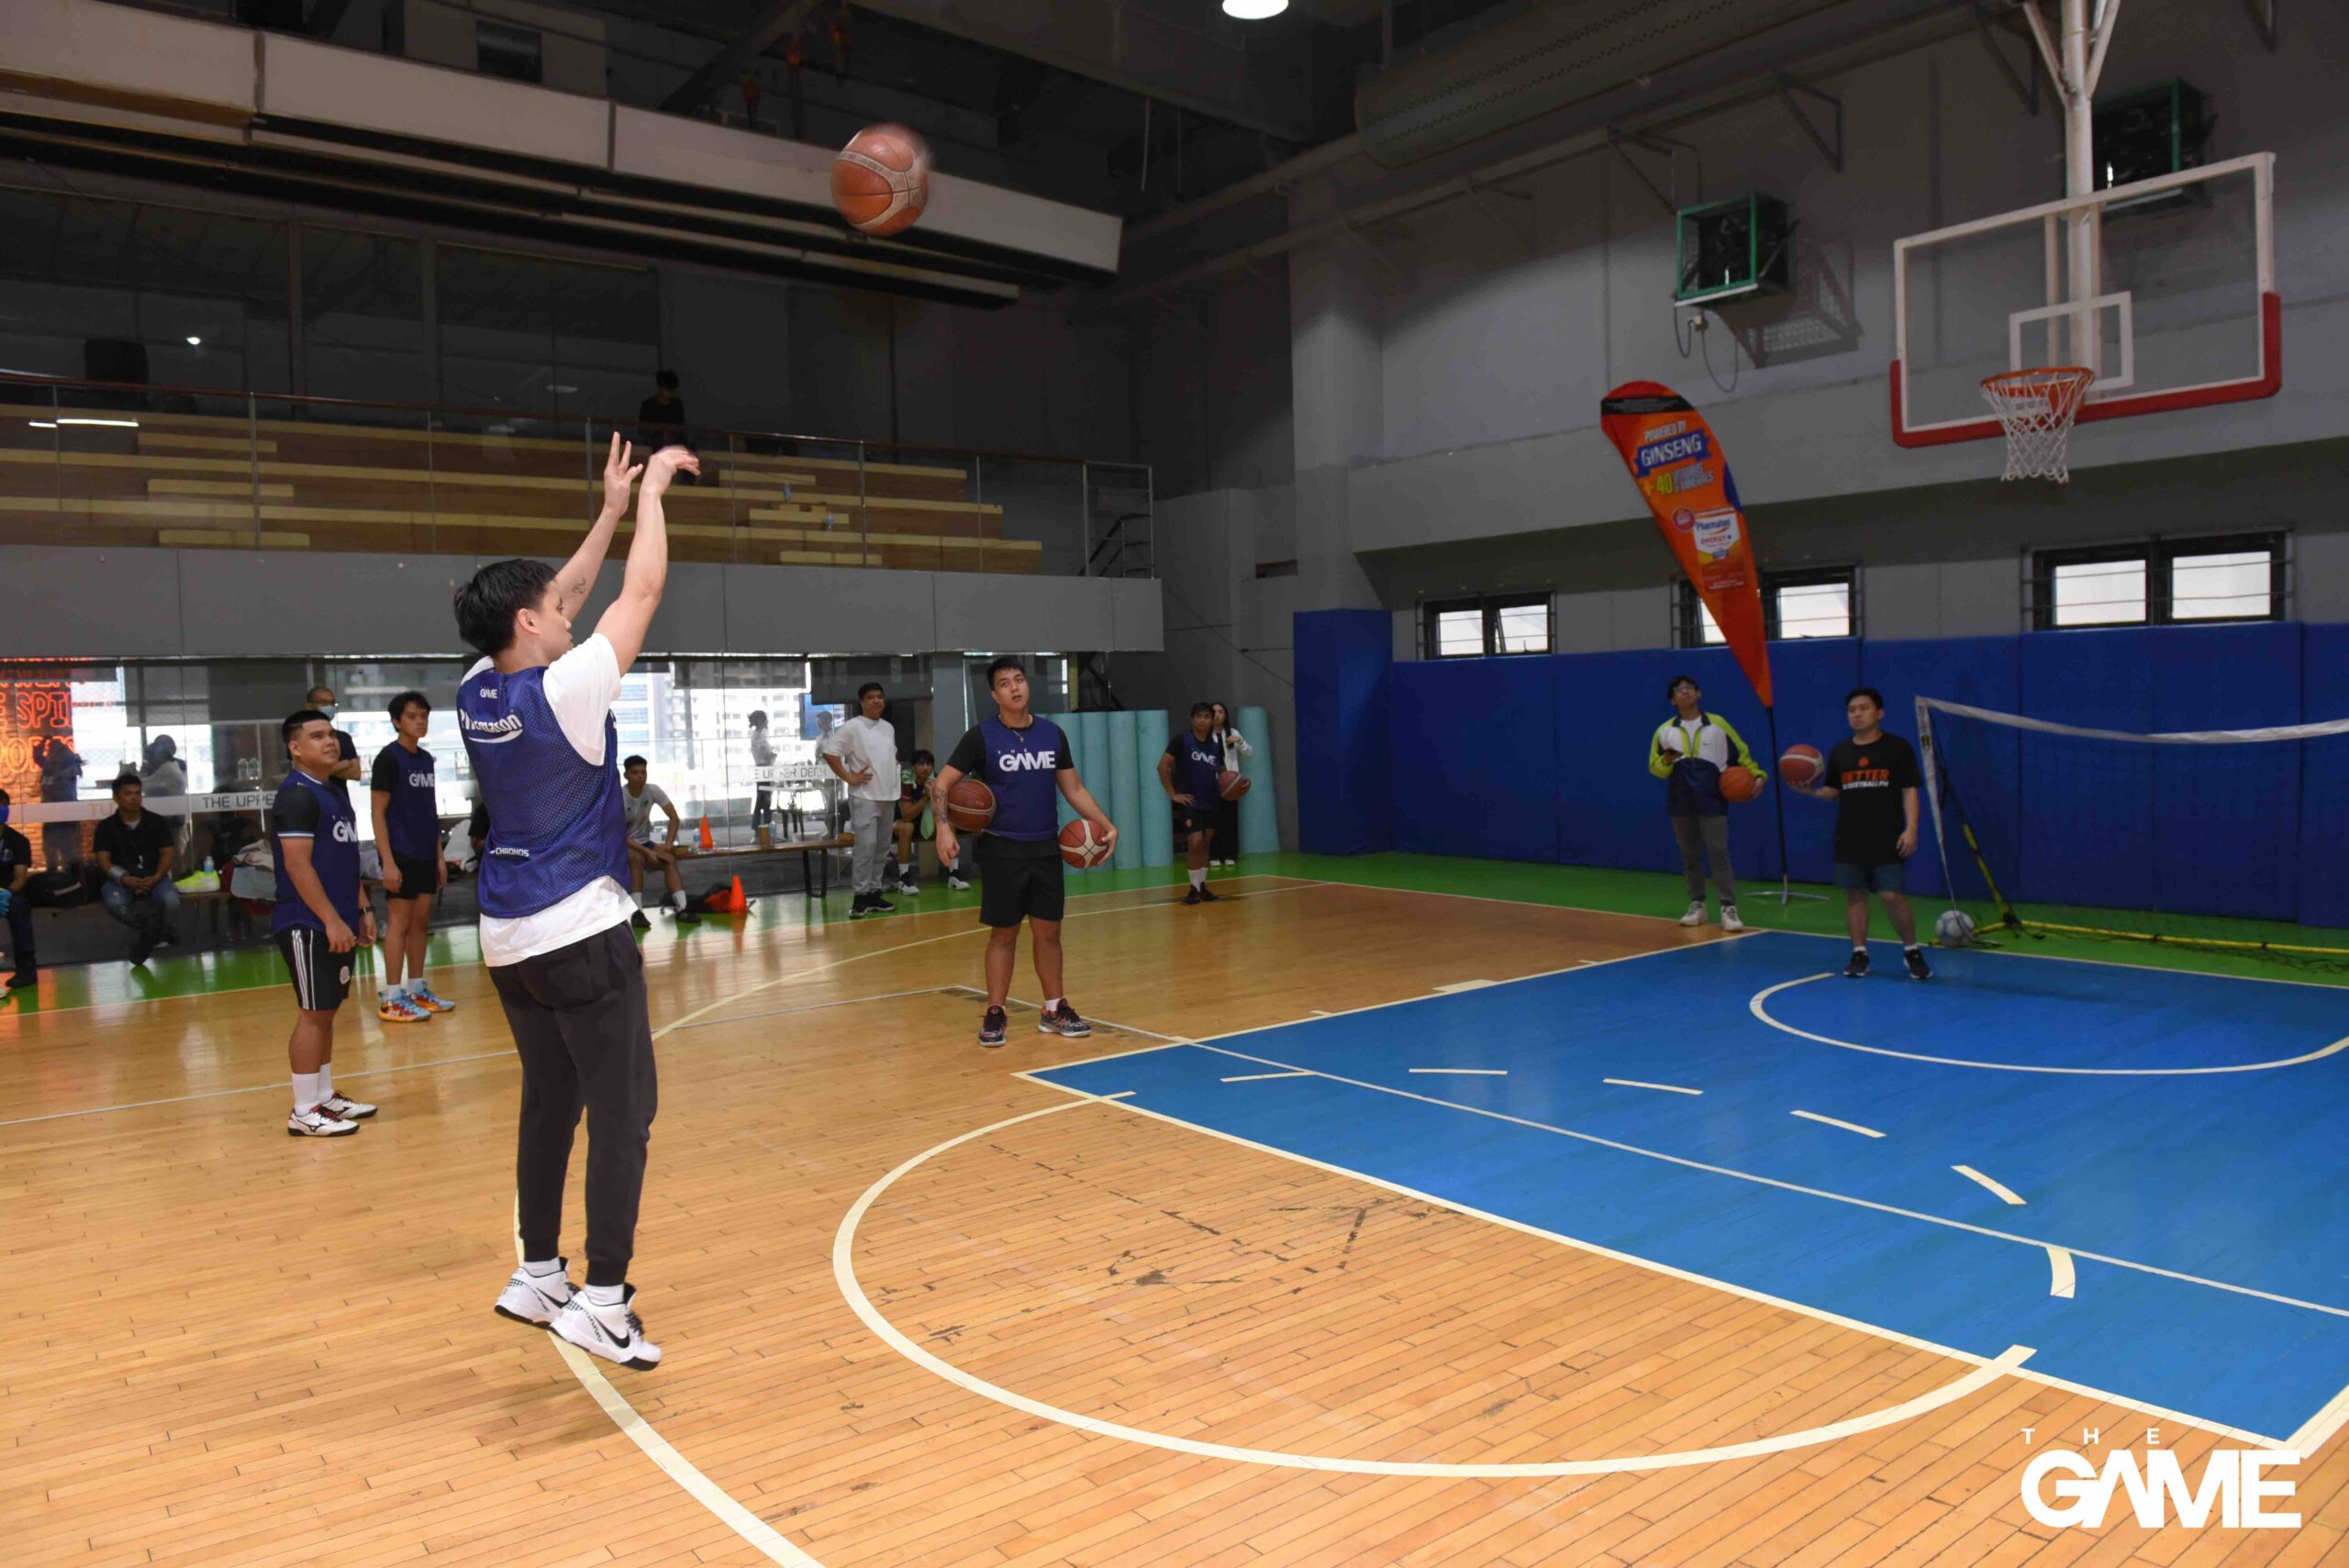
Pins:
x,y
1870,815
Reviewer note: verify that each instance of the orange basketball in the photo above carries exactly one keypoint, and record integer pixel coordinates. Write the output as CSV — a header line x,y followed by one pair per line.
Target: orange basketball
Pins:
x,y
1080,847
881,179
1740,784
970,806
1232,785
1801,764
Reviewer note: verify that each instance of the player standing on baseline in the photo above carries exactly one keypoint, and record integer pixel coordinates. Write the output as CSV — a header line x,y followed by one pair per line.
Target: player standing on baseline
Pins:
x,y
1873,778
1024,760
536,713
315,840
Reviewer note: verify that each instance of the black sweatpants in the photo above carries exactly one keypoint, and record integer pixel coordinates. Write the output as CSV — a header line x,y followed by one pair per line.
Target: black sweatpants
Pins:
x,y
20,937
581,1025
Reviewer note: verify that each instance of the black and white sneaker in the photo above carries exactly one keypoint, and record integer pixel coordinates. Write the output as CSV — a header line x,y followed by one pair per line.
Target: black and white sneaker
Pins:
x,y
614,1332
1062,1020
956,883
637,922
1917,968
346,1108
877,905
862,906
1858,968
316,1123
536,1298
992,1028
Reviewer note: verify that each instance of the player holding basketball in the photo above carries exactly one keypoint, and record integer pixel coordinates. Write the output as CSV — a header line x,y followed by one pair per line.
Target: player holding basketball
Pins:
x,y
1191,773
1873,778
1025,761
1689,752
536,715
315,840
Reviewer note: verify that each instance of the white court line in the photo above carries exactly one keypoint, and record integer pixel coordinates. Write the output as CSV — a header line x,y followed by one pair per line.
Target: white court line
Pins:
x,y
2318,1428
845,1272
1261,1077
1320,1013
2004,1194
1636,1084
1458,986
2061,1281
1831,1121
279,1084
1462,1071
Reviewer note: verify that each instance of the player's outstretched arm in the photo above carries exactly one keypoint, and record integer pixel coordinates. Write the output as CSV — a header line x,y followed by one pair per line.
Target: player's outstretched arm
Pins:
x,y
630,615
578,574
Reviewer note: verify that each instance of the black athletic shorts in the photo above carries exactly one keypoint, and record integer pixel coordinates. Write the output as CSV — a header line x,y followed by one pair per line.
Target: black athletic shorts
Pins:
x,y
321,975
418,878
1017,881
1188,819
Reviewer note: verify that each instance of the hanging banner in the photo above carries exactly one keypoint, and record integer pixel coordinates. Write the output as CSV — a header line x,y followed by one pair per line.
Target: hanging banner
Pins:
x,y
1676,462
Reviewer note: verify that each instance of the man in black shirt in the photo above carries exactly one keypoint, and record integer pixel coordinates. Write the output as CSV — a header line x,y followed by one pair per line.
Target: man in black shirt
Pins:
x,y
347,769
16,902
1873,779
134,851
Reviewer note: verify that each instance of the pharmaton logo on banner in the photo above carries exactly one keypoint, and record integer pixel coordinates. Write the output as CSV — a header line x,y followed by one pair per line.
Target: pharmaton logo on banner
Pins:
x,y
2063,1488
1676,460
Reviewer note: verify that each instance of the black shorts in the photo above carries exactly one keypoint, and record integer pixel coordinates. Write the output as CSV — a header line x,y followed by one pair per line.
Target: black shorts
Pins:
x,y
321,976
419,877
1190,820
1021,885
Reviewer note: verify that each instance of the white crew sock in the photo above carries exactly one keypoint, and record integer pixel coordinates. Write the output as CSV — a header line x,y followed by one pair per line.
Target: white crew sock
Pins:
x,y
415,984
391,994
543,1268
1053,1005
606,1295
1199,877
326,1080
677,901
306,1093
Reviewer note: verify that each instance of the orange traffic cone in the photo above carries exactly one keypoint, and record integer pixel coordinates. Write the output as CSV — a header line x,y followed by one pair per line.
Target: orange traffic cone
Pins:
x,y
707,844
735,903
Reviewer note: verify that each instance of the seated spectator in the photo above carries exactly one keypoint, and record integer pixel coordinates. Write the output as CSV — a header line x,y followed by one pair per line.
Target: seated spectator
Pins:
x,y
134,852
16,902
915,825
638,798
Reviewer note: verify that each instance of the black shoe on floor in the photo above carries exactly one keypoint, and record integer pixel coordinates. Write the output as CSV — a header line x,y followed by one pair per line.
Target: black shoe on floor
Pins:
x,y
1208,896
1917,968
637,922
860,906
993,1027
1858,968
1194,896
877,905
140,947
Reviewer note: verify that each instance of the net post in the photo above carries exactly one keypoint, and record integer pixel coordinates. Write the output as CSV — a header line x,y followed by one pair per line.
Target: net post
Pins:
x,y
1779,800
1933,790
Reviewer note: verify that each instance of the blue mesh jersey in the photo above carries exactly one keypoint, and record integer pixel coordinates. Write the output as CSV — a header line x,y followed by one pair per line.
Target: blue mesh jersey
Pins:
x,y
556,822
307,808
1199,768
412,815
1023,766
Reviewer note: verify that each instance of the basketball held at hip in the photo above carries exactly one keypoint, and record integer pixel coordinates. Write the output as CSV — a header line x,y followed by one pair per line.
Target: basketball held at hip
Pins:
x,y
881,180
970,806
1740,784
1081,847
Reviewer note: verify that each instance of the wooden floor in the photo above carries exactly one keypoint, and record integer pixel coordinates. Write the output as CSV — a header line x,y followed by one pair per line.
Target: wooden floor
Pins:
x,y
230,1346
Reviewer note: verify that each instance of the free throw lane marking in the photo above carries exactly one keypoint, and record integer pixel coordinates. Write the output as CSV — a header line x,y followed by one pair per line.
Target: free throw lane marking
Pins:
x,y
1458,986
1636,1084
1462,1071
1261,1077
2004,1194
1831,1121
2060,1278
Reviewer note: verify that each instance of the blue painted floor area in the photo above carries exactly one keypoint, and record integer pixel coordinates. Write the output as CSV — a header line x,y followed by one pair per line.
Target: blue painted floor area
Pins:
x,y
2234,1179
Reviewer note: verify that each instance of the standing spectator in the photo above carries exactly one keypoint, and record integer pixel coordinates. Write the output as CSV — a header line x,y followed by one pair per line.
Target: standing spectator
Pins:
x,y
862,753
321,700
407,813
827,789
761,779
134,852
1226,844
1689,752
636,800
15,904
163,777
60,781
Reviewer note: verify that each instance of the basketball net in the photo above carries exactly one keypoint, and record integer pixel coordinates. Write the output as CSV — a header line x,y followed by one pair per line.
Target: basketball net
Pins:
x,y
2036,407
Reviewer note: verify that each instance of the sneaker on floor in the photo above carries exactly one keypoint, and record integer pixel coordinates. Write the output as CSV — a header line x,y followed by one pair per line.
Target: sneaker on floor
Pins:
x,y
399,1010
1917,968
909,886
860,906
637,922
993,1027
534,1298
957,884
614,1332
1193,897
1062,1020
1858,968
140,946
342,1107
1208,896
1696,915
316,1123
421,995
1729,922
877,904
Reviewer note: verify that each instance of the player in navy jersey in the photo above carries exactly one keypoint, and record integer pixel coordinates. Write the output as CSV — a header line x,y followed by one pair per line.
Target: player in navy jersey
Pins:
x,y
536,716
318,919
1026,761
1191,773
407,841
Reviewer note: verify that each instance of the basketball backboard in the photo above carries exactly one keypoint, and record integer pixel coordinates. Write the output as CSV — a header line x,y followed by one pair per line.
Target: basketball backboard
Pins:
x,y
2180,310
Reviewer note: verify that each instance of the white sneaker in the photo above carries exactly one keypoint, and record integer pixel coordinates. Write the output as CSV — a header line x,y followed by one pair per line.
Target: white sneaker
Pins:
x,y
346,1108
1696,915
535,1299
905,886
615,1333
1729,922
957,884
316,1123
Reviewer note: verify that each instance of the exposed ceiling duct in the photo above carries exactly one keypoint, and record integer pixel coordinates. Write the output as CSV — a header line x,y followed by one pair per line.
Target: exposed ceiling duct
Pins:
x,y
1545,59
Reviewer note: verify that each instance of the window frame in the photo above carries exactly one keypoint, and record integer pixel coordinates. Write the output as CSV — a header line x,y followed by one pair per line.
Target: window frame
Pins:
x,y
2161,557
1690,624
1489,607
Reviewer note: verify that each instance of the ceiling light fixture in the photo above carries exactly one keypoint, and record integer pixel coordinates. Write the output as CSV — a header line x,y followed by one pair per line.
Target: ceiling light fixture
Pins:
x,y
194,341
1253,10
119,424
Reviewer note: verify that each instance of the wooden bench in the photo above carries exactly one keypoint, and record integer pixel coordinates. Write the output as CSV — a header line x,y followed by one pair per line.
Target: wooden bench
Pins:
x,y
814,887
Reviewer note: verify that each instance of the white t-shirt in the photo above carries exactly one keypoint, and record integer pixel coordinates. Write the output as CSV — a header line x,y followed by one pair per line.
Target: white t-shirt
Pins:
x,y
868,745
639,811
581,687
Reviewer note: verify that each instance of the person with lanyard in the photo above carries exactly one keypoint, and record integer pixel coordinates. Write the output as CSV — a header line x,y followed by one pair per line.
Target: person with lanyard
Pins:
x,y
1191,773
1689,752
318,919
404,796
134,852
1873,778
536,716
1227,814
16,902
1027,762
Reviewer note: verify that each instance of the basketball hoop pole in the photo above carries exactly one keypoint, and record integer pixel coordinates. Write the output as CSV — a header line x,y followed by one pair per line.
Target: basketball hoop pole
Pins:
x,y
2074,58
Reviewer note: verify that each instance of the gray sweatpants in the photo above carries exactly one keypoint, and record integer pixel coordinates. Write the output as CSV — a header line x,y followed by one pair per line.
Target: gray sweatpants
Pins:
x,y
1703,838
872,821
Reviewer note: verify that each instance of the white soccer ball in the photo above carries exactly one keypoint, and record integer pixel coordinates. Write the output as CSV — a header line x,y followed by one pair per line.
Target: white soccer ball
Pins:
x,y
1955,928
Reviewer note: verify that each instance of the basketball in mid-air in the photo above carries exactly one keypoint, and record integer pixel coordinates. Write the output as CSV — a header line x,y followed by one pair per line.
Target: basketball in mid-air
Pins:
x,y
881,180
1080,847
1740,784
970,806
1801,764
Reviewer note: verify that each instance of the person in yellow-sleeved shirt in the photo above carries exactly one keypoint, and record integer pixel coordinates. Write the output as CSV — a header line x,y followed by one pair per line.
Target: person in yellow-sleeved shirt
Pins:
x,y
1689,752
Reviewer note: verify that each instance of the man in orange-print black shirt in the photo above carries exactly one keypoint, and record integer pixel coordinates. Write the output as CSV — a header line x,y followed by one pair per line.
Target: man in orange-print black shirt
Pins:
x,y
1873,778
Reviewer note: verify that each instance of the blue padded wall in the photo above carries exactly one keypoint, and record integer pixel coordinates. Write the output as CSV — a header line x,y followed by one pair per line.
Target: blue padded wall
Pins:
x,y
1475,757
1344,661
